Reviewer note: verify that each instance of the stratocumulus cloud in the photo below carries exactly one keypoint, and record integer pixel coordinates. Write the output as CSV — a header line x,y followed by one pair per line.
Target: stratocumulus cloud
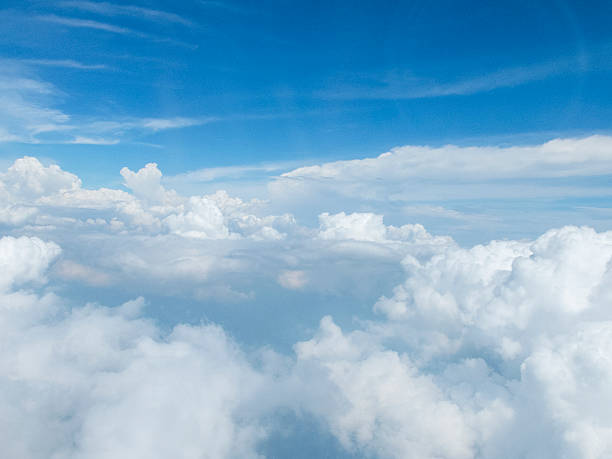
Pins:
x,y
497,350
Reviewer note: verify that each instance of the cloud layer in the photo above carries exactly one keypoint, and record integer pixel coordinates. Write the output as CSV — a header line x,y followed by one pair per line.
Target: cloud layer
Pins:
x,y
496,350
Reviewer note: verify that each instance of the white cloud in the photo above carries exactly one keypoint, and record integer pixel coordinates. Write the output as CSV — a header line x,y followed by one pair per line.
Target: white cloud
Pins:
x,y
79,140
28,179
115,29
87,24
369,227
25,109
24,260
386,407
293,279
505,352
495,350
64,63
568,378
408,86
201,219
145,183
29,113
111,9
99,382
157,124
357,226
556,158
464,191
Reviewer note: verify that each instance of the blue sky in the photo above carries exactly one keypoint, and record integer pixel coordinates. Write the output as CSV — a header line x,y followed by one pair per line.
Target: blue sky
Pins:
x,y
252,82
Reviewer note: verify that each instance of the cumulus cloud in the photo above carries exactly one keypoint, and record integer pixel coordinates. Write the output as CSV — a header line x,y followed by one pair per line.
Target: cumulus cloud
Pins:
x,y
27,179
149,205
141,233
367,226
385,406
145,183
503,341
431,174
558,157
25,260
495,350
98,382
357,226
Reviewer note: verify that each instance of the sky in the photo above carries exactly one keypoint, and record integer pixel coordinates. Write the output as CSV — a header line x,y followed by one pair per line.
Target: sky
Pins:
x,y
319,229
200,84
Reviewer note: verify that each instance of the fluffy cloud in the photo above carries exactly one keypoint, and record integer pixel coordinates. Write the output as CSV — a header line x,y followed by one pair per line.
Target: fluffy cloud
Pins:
x,y
24,260
506,294
366,226
385,406
496,350
28,179
434,177
357,226
28,186
190,244
482,346
559,157
479,347
99,382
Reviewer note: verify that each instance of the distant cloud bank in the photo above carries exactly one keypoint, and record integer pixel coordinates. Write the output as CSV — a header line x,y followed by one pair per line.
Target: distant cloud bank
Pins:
x,y
498,350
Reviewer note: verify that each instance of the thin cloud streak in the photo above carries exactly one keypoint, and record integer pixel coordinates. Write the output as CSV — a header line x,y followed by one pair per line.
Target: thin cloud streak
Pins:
x,y
87,24
92,141
27,116
232,172
96,25
64,63
151,124
419,88
111,9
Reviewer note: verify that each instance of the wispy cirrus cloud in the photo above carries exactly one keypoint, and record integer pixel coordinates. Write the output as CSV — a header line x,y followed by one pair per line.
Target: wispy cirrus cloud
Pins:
x,y
80,140
212,174
26,109
111,28
158,124
63,63
147,124
24,84
29,114
31,111
88,24
409,86
112,132
111,9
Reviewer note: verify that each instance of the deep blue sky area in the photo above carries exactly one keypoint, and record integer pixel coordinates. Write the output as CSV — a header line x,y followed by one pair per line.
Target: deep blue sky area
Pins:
x,y
276,81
